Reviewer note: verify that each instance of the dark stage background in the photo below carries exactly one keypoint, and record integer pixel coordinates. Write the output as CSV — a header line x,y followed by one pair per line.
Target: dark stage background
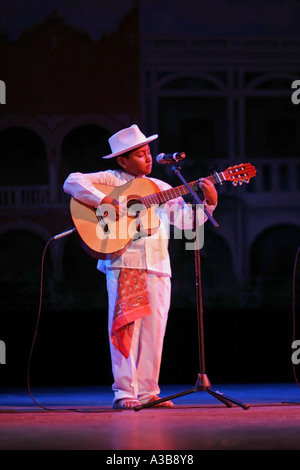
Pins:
x,y
213,79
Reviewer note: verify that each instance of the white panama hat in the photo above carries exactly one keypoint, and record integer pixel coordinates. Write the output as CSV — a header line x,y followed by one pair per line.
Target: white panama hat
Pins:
x,y
127,140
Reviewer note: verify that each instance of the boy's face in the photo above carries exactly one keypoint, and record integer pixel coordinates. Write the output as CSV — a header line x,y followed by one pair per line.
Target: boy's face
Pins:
x,y
138,163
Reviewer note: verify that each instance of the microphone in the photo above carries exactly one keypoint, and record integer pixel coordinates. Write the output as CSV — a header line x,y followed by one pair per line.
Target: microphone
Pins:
x,y
170,157
64,234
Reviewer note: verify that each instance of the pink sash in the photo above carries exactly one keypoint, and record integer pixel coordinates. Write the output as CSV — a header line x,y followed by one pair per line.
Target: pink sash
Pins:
x,y
132,303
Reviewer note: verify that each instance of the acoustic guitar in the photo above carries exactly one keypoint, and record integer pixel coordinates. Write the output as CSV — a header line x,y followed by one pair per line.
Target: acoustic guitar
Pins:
x,y
105,236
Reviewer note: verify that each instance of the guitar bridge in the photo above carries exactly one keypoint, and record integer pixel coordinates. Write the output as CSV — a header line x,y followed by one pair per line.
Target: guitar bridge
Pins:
x,y
101,219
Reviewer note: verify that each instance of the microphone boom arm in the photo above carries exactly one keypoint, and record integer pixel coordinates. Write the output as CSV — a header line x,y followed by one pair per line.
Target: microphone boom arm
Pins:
x,y
194,195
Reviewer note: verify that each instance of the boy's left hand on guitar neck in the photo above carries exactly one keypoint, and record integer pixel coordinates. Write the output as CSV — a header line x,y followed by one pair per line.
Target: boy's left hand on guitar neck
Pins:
x,y
209,191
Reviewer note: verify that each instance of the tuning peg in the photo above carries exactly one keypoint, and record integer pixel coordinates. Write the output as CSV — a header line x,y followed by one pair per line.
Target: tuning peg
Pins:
x,y
234,183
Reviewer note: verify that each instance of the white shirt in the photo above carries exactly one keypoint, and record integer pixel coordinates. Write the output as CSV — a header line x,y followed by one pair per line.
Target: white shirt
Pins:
x,y
149,252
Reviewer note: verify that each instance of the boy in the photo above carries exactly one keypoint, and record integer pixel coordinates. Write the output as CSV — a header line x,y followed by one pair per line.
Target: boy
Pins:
x,y
138,280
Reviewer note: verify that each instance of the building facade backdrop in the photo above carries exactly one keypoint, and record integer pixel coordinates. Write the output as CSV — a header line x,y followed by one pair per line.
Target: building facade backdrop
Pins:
x,y
222,100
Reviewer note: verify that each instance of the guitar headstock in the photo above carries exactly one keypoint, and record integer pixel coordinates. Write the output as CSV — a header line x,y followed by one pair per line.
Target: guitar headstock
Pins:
x,y
238,174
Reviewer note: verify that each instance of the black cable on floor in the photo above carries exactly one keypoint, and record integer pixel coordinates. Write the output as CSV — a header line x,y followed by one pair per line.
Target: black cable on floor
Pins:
x,y
56,237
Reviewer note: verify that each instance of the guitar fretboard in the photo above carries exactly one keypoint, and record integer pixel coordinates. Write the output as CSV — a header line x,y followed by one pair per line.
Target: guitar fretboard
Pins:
x,y
172,193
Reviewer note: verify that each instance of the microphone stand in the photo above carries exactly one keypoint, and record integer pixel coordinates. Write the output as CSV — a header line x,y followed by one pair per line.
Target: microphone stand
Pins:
x,y
203,383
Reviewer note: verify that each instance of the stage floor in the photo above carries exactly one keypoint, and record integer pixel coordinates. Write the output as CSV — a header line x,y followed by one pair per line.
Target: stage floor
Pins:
x,y
82,418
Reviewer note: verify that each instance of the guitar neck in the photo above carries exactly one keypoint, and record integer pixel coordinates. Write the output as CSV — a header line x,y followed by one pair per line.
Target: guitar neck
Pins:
x,y
173,193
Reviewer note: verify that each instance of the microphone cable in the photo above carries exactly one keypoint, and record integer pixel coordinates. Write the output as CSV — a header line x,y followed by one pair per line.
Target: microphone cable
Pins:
x,y
56,237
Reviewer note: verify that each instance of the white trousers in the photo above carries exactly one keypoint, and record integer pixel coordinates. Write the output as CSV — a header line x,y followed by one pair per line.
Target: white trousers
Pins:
x,y
137,376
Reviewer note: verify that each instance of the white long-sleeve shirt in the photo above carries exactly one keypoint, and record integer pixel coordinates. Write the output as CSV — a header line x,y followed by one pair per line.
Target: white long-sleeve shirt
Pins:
x,y
149,252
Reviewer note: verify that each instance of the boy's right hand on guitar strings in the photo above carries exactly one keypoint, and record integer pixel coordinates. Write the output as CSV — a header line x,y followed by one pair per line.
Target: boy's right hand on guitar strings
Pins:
x,y
118,206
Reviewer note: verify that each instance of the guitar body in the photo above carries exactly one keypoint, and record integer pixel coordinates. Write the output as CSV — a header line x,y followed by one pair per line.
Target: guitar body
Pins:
x,y
104,237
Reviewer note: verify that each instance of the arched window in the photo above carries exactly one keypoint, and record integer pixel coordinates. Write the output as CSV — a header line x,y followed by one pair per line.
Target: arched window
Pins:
x,y
271,265
273,252
218,285
272,125
23,158
272,120
83,283
21,255
82,150
193,118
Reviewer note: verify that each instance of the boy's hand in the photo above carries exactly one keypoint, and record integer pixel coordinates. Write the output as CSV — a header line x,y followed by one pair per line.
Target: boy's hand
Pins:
x,y
209,191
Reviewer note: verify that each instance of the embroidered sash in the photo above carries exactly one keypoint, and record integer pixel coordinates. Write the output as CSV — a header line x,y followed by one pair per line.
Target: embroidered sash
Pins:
x,y
132,303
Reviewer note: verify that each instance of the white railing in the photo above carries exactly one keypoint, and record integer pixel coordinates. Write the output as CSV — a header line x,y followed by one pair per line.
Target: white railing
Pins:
x,y
31,196
275,176
159,44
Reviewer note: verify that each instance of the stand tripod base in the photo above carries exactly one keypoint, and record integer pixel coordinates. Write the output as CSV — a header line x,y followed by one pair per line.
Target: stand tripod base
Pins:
x,y
202,385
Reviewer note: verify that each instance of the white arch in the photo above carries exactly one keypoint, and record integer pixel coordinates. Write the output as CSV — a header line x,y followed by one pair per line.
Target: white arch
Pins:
x,y
267,232
269,227
253,84
112,125
37,127
26,226
180,75
33,229
29,123
264,225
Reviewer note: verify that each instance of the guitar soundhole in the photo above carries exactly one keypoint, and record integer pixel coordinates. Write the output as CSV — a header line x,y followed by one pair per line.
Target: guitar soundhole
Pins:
x,y
134,208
